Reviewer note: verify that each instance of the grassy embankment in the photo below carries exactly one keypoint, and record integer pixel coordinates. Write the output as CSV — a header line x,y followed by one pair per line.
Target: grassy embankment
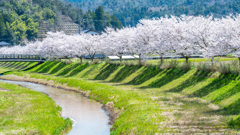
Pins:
x,y
149,98
129,101
181,60
23,111
7,66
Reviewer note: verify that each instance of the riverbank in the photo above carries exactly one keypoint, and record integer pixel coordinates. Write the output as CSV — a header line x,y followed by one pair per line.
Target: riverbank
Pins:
x,y
24,111
114,100
150,100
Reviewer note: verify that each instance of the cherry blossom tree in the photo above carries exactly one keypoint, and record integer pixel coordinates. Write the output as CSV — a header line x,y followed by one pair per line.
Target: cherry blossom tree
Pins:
x,y
77,48
162,45
145,39
180,39
185,35
208,36
91,44
231,31
119,42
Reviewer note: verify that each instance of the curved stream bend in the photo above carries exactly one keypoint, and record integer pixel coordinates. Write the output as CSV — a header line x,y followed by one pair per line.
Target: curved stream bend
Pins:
x,y
88,115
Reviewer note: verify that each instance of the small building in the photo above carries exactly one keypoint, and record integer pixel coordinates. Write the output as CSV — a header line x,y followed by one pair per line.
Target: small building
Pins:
x,y
89,31
5,44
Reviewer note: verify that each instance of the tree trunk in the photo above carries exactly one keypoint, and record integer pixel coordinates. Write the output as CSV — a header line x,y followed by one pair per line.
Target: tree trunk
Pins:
x,y
187,59
120,58
161,60
81,60
140,60
239,61
212,59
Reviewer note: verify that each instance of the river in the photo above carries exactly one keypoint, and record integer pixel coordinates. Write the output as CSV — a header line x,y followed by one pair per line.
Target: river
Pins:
x,y
88,116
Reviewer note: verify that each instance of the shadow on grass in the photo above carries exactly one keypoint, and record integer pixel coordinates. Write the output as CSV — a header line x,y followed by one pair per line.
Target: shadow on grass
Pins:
x,y
58,67
197,77
169,76
40,67
20,65
2,63
13,65
31,67
5,64
67,70
219,82
228,94
146,74
125,72
23,66
5,73
232,109
47,67
77,70
10,64
89,70
106,71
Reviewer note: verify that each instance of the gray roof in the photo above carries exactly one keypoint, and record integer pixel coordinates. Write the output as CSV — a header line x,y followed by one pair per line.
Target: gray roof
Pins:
x,y
4,43
90,32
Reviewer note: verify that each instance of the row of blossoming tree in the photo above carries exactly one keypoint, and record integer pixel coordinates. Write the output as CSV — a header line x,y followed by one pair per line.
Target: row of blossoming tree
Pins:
x,y
185,36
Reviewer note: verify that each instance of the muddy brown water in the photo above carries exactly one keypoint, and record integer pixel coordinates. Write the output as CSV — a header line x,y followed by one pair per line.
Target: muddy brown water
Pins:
x,y
88,116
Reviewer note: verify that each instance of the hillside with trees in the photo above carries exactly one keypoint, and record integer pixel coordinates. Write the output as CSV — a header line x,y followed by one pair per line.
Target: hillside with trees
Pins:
x,y
21,19
130,12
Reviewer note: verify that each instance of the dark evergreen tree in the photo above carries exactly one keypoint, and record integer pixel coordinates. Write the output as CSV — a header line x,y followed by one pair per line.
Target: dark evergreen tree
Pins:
x,y
9,36
98,20
32,30
2,27
116,24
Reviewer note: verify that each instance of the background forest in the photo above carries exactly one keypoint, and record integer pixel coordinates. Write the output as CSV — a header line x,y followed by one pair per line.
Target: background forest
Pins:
x,y
22,19
130,12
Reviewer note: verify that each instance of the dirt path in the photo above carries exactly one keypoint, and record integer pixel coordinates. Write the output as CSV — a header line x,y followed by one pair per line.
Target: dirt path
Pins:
x,y
191,116
2,90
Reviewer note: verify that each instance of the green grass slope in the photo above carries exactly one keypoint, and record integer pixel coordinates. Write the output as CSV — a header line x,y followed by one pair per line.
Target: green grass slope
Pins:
x,y
223,90
18,65
23,111
137,86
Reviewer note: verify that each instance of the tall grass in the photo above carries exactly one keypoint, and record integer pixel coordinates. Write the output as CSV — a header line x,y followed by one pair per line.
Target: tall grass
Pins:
x,y
204,67
170,65
224,68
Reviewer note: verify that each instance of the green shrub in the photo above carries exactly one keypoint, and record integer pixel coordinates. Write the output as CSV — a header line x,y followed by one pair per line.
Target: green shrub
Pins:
x,y
186,66
147,64
95,62
224,68
55,60
236,67
68,61
108,61
170,65
206,67
127,63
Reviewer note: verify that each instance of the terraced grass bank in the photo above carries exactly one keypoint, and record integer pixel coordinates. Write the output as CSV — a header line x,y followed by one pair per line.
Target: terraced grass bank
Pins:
x,y
149,100
23,111
8,66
